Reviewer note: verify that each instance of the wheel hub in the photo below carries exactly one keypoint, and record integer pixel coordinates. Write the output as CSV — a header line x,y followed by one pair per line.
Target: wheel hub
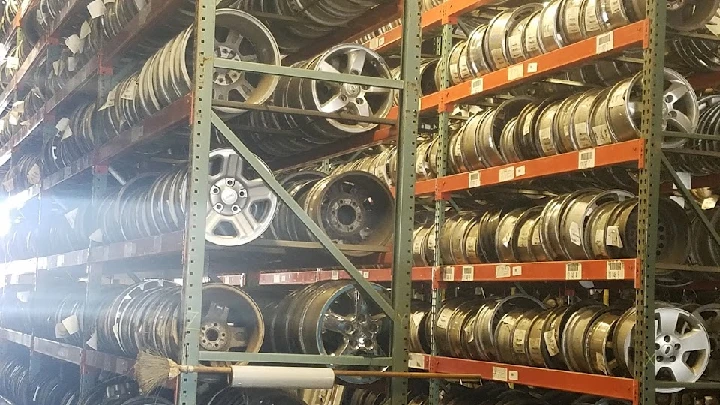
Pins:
x,y
228,196
667,348
352,90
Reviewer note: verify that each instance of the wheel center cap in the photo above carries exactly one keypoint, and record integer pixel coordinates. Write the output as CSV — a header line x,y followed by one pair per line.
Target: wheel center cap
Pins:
x,y
229,196
352,90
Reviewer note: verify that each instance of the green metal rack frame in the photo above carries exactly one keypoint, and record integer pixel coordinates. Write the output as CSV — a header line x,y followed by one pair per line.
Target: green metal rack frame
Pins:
x,y
202,120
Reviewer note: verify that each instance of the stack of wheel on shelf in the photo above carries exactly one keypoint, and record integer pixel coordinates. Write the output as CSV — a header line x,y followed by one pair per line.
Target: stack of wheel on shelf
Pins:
x,y
331,318
141,317
43,386
586,337
583,225
520,33
277,135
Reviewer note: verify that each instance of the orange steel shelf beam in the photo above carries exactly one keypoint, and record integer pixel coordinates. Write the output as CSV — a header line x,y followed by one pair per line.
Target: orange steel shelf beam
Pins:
x,y
593,384
607,155
563,58
583,270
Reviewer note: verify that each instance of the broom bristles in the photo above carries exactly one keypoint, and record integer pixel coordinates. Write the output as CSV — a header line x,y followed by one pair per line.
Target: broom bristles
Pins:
x,y
153,371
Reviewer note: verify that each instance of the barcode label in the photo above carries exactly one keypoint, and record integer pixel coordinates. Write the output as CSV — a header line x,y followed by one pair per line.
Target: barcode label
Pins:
x,y
513,375
366,274
474,180
500,374
520,171
615,270
477,86
517,270
449,273
604,43
532,67
335,275
516,72
573,271
503,271
586,159
468,273
506,174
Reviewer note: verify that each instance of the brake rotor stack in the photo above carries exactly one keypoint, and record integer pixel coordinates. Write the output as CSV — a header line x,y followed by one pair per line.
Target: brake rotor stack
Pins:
x,y
287,134
330,318
314,20
352,208
143,317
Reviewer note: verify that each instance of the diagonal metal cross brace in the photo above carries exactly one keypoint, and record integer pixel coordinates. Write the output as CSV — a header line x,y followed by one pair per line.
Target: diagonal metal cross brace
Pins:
x,y
686,193
278,189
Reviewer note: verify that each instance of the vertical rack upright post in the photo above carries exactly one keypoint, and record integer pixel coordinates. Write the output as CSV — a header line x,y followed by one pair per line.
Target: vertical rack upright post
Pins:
x,y
405,195
649,181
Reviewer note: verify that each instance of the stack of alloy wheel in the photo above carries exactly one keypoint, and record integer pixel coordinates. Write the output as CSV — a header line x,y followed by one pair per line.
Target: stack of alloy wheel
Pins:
x,y
143,317
352,208
583,225
277,135
520,33
330,318
523,128
166,76
586,337
240,209
315,19
382,164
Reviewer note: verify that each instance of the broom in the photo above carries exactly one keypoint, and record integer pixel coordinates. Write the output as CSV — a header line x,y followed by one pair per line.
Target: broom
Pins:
x,y
153,371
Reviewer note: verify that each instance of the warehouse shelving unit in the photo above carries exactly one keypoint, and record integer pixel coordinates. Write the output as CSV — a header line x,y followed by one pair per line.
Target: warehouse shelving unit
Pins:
x,y
190,245
644,154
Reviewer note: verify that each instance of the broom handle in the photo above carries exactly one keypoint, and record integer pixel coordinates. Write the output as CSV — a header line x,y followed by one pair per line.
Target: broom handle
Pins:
x,y
346,373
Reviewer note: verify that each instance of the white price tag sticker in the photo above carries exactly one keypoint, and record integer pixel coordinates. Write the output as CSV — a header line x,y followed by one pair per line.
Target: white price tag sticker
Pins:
x,y
12,62
416,360
449,273
513,375
96,8
573,271
575,234
516,72
71,324
335,275
84,30
129,249
520,171
506,174
517,270
532,67
74,43
615,270
366,274
503,271
612,236
500,374
710,203
604,42
551,343
474,180
477,86
586,159
468,273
